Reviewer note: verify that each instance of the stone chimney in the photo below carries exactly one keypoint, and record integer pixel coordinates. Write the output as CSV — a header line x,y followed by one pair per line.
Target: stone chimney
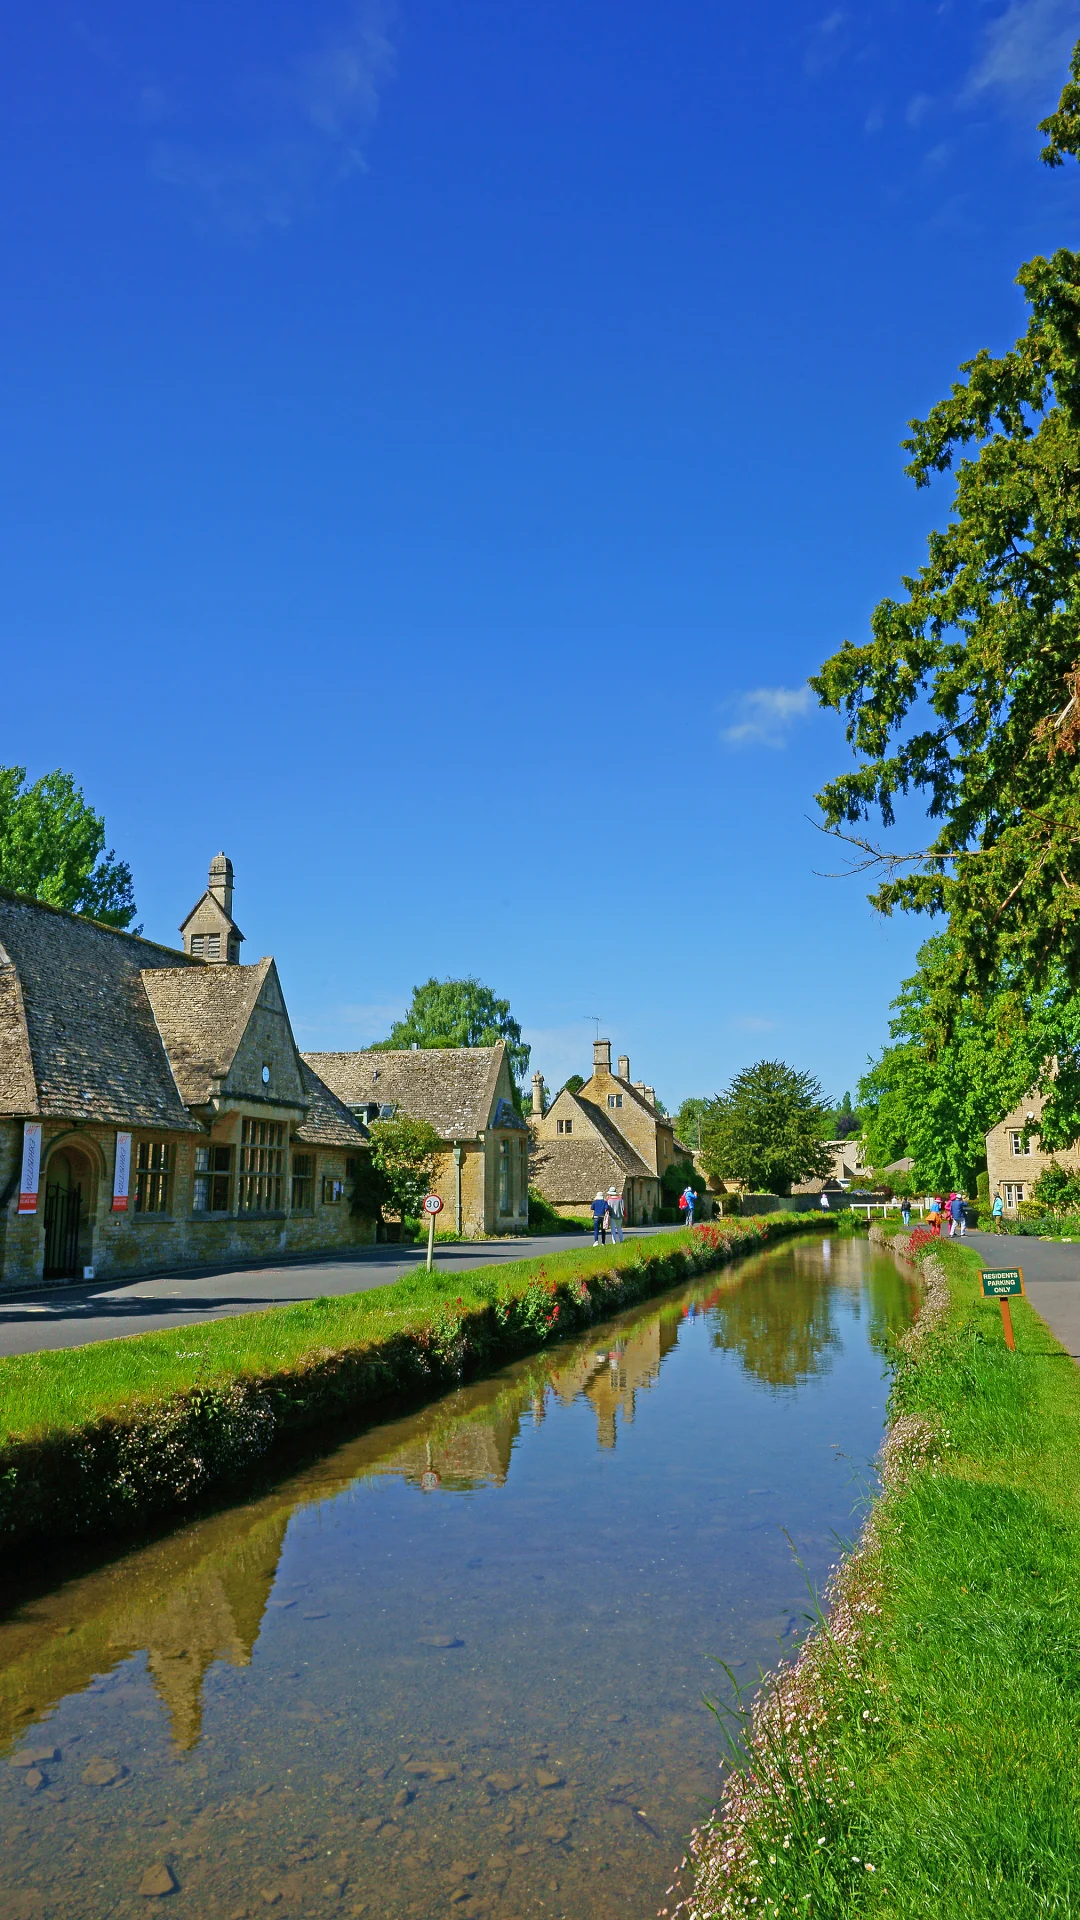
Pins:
x,y
650,1095
221,882
538,1095
601,1056
624,1066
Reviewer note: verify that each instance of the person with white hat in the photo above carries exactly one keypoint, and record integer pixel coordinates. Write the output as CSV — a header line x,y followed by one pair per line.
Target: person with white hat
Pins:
x,y
617,1211
599,1211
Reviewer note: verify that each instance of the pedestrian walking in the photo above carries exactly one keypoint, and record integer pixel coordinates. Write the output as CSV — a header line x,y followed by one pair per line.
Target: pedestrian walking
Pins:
x,y
996,1212
601,1220
617,1210
688,1199
957,1215
823,1203
905,1211
934,1216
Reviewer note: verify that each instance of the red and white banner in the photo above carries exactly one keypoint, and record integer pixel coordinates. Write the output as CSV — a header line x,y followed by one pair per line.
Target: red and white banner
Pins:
x,y
121,1173
31,1166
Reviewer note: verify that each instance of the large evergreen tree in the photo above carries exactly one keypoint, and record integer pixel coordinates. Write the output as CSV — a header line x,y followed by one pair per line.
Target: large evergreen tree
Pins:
x,y
767,1130
968,692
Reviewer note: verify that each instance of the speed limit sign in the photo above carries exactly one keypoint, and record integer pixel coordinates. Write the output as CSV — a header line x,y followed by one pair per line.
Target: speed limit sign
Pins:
x,y
432,1203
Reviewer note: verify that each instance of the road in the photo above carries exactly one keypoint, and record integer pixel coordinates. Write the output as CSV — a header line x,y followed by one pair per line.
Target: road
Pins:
x,y
44,1318
1051,1278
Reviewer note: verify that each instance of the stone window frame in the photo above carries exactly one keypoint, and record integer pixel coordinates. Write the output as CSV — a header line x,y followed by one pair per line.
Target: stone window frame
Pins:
x,y
153,1172
1014,1192
614,1099
216,1178
505,1178
1020,1149
332,1190
261,1183
564,1126
302,1186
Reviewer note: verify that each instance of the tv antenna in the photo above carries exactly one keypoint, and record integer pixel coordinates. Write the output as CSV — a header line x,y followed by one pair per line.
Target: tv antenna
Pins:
x,y
595,1018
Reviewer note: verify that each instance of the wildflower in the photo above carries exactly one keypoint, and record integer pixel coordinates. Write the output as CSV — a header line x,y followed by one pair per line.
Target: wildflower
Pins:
x,y
821,1842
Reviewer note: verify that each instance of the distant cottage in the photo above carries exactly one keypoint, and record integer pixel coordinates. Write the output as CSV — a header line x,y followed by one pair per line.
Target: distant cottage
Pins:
x,y
154,1109
608,1135
467,1095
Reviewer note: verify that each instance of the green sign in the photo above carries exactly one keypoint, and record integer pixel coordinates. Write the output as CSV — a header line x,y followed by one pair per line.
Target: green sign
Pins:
x,y
1002,1282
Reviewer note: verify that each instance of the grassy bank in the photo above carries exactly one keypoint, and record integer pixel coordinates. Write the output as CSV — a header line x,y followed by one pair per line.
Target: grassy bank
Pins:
x,y
920,1757
103,1437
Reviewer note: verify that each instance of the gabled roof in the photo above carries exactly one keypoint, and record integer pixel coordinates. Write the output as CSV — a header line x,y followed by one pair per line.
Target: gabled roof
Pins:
x,y
570,1171
453,1088
329,1122
202,1014
77,1037
638,1098
615,1142
226,919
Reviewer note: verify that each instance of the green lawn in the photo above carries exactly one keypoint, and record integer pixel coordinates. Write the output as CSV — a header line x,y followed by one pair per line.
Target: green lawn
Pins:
x,y
923,1761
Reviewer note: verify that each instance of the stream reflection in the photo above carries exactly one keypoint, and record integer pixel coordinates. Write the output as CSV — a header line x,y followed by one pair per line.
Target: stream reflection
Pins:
x,y
458,1663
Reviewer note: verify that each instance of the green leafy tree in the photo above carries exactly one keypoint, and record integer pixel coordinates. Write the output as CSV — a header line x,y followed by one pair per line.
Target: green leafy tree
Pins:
x,y
1058,1190
52,845
842,1121
573,1085
690,1120
677,1177
371,1189
968,692
767,1131
937,1103
460,1013
405,1152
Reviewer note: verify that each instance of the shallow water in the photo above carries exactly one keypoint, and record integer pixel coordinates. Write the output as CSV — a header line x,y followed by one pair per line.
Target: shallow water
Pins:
x,y
456,1667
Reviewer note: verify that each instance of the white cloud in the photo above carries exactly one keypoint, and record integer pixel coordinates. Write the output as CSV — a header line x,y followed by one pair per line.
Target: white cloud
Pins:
x,y
753,1023
766,715
292,135
1025,52
917,109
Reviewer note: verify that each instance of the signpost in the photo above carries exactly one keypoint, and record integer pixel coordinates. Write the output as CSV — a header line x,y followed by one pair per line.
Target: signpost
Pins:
x,y
432,1206
1001,1283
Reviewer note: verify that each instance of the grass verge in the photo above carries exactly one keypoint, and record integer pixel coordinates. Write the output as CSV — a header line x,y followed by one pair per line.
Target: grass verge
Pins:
x,y
919,1758
105,1436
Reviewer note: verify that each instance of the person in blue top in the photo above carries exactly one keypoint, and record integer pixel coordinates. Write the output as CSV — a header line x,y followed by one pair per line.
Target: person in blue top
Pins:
x,y
957,1215
690,1197
600,1221
996,1212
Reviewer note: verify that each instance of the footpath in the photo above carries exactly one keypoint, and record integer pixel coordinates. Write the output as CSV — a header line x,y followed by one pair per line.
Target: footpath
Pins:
x,y
1051,1273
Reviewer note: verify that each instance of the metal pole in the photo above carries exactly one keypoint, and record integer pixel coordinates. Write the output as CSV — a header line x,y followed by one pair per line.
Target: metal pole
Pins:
x,y
430,1240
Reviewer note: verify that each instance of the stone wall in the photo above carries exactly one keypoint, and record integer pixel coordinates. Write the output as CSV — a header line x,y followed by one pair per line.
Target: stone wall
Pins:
x,y
128,1244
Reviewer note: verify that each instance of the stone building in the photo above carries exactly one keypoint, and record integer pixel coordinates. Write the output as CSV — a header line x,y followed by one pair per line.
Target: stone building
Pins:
x,y
467,1095
609,1134
154,1110
1013,1164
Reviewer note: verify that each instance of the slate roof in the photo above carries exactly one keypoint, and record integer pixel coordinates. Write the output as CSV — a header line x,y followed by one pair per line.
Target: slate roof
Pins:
x,y
453,1088
616,1143
329,1122
201,1014
77,1037
572,1171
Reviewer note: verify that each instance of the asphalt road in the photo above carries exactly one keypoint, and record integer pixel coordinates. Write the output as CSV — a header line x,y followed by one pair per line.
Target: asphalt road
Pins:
x,y
1051,1278
73,1316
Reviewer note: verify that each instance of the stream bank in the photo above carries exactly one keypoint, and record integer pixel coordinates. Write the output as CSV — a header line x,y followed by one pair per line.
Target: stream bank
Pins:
x,y
917,1760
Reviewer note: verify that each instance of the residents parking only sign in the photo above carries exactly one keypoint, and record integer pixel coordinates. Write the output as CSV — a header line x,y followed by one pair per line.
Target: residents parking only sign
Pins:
x,y
1001,1283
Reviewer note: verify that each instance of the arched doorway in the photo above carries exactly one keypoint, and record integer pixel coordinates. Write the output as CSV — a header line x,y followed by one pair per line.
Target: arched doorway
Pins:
x,y
69,1214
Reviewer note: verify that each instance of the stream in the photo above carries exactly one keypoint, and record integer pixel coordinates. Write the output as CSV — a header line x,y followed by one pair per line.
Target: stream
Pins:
x,y
457,1666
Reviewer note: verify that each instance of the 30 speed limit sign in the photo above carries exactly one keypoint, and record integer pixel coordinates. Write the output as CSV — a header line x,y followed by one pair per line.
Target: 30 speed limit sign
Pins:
x,y
432,1203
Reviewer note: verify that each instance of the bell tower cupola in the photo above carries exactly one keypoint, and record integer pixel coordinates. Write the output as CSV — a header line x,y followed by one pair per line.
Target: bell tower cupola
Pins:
x,y
210,932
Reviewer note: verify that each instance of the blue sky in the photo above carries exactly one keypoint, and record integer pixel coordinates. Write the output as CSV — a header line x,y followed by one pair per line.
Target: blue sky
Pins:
x,y
438,444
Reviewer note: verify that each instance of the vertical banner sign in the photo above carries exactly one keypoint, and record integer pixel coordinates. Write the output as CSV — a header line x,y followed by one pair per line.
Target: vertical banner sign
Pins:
x,y
121,1173
31,1166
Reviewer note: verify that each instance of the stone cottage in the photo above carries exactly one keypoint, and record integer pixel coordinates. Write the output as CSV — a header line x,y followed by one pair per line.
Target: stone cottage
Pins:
x,y
467,1095
154,1109
609,1134
1013,1163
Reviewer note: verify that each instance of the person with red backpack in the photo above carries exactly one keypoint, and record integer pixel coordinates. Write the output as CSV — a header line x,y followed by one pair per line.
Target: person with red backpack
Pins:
x,y
688,1199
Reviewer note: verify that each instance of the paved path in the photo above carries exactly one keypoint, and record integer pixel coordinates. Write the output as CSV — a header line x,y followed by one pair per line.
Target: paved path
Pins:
x,y
73,1316
1051,1278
